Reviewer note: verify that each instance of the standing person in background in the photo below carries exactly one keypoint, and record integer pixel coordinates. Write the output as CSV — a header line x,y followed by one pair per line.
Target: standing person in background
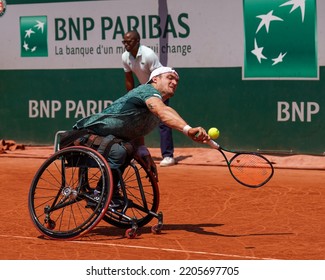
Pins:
x,y
141,61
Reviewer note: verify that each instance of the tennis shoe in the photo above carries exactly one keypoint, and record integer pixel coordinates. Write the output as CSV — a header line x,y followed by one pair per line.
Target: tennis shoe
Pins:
x,y
167,161
117,200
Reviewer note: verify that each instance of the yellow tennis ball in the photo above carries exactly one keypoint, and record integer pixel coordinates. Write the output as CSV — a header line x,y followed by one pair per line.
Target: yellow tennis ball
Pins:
x,y
213,133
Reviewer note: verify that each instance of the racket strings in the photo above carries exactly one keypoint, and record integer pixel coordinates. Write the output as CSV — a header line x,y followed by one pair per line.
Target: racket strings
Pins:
x,y
251,169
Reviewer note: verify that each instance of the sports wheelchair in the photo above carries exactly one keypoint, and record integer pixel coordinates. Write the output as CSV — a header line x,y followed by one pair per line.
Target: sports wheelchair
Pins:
x,y
61,198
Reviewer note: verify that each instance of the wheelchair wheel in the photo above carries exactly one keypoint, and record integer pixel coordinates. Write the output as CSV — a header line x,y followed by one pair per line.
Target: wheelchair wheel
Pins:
x,y
141,198
70,193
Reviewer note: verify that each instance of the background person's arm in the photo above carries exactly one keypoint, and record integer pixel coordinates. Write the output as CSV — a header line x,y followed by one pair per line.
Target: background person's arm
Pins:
x,y
129,81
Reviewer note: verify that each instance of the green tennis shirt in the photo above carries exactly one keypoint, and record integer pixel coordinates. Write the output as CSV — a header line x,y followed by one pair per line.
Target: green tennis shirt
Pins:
x,y
127,117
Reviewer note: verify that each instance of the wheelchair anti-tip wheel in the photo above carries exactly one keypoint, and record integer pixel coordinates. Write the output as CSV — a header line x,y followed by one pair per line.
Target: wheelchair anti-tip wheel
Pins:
x,y
70,193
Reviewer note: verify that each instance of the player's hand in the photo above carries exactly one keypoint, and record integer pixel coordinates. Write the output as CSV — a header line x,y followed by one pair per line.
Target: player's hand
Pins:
x,y
150,165
144,154
198,134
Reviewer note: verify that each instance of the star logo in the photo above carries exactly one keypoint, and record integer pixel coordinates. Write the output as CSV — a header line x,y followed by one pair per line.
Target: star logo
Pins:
x,y
266,20
40,25
33,34
280,39
278,59
29,32
296,4
258,52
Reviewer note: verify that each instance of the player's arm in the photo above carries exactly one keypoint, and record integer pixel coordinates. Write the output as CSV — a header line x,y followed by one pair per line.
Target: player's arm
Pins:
x,y
172,119
129,80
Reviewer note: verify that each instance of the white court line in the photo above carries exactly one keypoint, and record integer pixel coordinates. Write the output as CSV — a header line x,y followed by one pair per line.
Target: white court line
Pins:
x,y
148,248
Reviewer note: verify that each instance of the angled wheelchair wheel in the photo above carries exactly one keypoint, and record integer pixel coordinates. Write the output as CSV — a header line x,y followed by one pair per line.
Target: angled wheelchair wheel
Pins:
x,y
70,193
140,192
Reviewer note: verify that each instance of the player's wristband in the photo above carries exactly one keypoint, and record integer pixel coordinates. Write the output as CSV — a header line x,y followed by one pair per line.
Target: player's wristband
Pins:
x,y
186,128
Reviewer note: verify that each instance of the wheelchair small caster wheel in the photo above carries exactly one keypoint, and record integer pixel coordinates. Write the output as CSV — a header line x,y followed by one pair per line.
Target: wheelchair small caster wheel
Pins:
x,y
50,224
156,229
130,233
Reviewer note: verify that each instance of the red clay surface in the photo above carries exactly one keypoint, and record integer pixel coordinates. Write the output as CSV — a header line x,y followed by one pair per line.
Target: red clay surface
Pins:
x,y
207,214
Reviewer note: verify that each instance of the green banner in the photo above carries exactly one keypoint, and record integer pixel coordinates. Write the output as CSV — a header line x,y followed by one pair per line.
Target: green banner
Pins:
x,y
280,39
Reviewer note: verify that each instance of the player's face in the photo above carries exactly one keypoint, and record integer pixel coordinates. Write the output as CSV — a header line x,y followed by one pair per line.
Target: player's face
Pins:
x,y
130,42
167,84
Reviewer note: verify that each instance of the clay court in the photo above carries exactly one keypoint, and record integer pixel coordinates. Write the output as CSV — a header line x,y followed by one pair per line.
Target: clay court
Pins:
x,y
207,214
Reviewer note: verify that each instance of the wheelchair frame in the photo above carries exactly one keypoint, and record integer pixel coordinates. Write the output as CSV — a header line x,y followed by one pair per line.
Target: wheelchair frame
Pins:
x,y
72,191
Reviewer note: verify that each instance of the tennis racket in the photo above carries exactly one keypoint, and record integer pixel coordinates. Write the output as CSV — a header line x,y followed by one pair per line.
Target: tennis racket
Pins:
x,y
249,169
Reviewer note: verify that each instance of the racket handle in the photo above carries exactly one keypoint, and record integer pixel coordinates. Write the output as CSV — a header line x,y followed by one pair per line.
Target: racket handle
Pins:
x,y
213,144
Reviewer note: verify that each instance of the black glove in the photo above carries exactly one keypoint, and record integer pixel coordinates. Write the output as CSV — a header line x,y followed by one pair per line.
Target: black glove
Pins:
x,y
151,166
144,154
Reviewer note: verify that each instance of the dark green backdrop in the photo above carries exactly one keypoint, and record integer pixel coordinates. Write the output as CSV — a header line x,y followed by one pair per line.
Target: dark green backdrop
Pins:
x,y
244,111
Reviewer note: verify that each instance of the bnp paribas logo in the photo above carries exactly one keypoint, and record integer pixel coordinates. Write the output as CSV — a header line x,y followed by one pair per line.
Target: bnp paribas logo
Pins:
x,y
33,36
280,39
